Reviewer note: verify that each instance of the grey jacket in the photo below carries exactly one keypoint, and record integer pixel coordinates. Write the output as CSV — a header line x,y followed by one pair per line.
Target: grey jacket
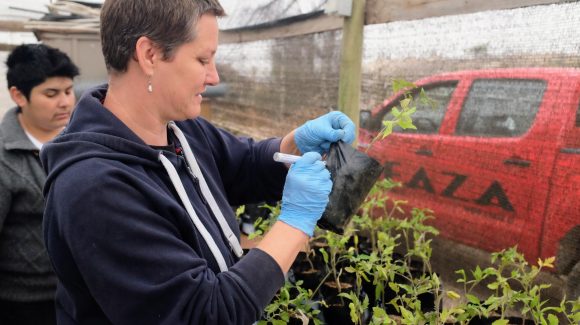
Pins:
x,y
25,270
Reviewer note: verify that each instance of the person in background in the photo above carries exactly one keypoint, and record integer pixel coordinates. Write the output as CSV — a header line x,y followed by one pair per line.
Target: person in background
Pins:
x,y
40,82
138,222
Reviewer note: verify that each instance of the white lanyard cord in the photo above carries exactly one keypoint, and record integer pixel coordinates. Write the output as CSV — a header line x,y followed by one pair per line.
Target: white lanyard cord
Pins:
x,y
205,191
176,181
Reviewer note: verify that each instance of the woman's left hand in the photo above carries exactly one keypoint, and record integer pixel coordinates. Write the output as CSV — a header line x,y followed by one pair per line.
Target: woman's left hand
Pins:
x,y
318,134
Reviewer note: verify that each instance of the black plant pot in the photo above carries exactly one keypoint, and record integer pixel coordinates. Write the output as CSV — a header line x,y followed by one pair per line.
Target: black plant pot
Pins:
x,y
303,270
364,246
374,301
369,289
490,320
294,321
427,299
318,259
310,278
297,321
336,310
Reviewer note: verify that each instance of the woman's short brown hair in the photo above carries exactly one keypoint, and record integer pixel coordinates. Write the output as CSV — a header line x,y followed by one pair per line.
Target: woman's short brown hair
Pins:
x,y
168,23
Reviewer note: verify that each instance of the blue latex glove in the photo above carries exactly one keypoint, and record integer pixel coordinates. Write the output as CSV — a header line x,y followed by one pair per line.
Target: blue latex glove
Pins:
x,y
305,193
318,134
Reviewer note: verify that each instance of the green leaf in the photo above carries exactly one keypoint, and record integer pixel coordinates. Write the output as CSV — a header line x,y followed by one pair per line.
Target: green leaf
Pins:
x,y
379,312
350,269
549,262
463,276
472,299
324,255
387,129
458,311
501,322
444,315
477,274
576,306
405,287
545,286
394,287
353,312
406,314
400,84
552,319
406,123
395,111
453,295
404,105
410,111
493,286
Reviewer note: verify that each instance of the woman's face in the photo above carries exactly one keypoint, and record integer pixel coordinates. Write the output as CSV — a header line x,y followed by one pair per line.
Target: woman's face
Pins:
x,y
181,80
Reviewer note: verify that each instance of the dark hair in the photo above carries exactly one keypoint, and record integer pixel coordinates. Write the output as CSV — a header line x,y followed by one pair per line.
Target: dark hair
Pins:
x,y
29,65
168,23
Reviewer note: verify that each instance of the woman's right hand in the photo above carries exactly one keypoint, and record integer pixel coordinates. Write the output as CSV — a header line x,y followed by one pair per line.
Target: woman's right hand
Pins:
x,y
306,191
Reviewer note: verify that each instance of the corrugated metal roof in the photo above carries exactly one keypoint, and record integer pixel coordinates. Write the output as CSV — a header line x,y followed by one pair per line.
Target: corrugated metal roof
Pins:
x,y
62,15
257,12
22,9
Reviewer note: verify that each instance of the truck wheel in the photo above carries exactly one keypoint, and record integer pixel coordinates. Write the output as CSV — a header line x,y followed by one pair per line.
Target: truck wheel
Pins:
x,y
568,255
573,283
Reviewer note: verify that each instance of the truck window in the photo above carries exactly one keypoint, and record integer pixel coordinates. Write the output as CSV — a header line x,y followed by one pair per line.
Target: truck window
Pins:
x,y
578,117
500,107
428,116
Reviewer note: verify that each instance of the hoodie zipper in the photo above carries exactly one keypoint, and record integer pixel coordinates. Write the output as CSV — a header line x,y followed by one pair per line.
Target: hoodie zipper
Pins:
x,y
198,187
194,178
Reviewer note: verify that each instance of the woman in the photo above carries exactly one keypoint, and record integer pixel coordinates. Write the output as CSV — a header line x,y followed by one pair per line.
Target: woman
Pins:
x,y
137,222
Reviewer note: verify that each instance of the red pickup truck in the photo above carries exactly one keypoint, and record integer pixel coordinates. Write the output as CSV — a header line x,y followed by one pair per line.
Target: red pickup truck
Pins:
x,y
497,160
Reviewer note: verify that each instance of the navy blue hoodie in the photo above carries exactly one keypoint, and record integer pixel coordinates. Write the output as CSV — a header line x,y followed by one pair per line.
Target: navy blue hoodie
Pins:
x,y
122,244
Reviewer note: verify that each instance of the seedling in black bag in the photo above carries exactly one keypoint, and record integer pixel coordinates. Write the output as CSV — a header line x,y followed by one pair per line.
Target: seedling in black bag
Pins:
x,y
353,174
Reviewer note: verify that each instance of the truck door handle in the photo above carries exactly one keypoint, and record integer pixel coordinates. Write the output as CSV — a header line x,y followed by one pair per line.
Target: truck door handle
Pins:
x,y
517,162
424,152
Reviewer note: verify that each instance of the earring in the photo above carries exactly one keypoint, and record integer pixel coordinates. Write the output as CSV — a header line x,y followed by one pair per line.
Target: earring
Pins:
x,y
149,86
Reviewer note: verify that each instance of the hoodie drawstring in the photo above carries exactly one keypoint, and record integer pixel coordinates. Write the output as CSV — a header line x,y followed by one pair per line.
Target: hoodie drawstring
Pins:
x,y
232,239
197,223
206,193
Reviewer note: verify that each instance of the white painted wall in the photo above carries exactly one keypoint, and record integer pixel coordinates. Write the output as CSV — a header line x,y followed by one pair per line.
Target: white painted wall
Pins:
x,y
537,30
5,101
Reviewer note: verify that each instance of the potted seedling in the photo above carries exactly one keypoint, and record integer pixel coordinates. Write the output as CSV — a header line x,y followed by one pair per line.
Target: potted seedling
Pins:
x,y
513,286
335,256
262,225
308,268
361,266
292,305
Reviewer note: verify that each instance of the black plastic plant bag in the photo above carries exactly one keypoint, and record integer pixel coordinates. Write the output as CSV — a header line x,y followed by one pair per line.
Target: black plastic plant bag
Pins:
x,y
353,175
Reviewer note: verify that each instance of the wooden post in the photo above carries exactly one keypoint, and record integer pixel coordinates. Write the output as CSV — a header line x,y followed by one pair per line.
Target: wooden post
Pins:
x,y
349,88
